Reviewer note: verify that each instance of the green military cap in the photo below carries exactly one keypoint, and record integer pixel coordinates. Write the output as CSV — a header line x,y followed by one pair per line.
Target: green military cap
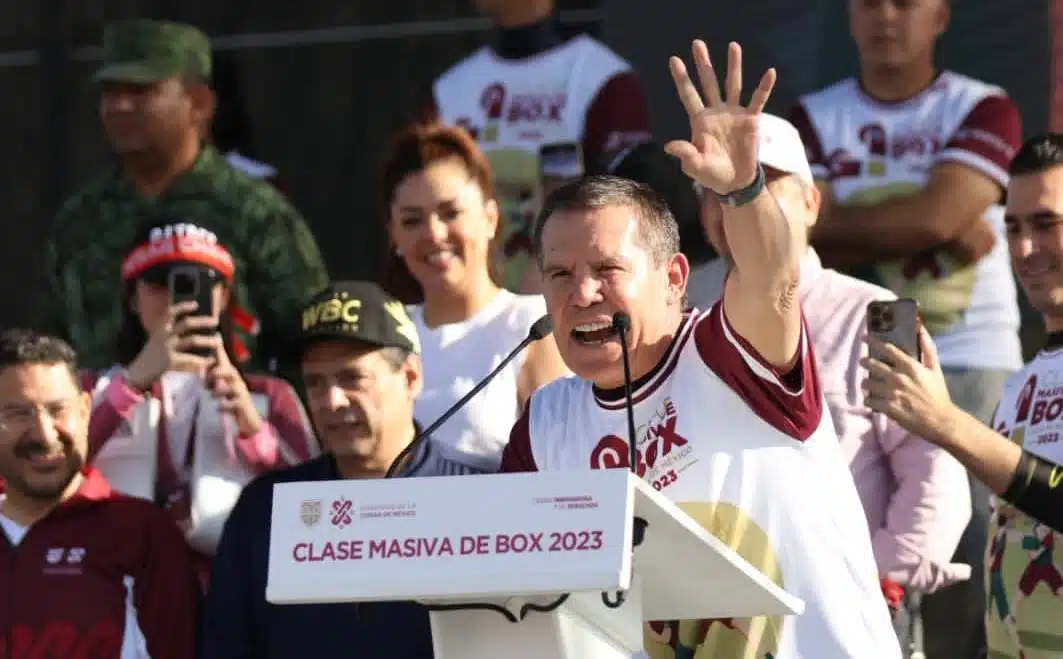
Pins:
x,y
143,52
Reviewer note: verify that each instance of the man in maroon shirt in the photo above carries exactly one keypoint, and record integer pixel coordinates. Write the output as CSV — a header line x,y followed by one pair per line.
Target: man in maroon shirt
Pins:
x,y
89,574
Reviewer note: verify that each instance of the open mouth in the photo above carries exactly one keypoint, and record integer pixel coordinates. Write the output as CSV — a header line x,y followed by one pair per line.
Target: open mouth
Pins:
x,y
593,333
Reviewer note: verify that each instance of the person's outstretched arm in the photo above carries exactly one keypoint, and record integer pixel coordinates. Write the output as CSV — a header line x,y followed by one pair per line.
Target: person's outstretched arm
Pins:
x,y
760,294
914,395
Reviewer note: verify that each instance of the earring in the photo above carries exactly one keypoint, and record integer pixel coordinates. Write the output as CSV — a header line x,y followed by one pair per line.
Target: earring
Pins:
x,y
398,252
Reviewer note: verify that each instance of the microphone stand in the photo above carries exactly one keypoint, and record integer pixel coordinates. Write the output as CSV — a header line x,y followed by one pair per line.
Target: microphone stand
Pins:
x,y
629,406
621,324
539,329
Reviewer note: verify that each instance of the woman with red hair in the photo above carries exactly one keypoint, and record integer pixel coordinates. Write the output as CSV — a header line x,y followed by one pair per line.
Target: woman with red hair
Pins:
x,y
443,228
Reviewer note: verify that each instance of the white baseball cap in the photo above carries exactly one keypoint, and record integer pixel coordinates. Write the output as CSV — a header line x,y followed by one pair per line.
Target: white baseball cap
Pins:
x,y
781,147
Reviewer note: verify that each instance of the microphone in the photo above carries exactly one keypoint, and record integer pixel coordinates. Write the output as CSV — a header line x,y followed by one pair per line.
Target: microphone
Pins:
x,y
540,329
621,325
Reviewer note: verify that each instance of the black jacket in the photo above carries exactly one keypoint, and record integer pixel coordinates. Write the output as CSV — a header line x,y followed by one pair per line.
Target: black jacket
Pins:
x,y
238,622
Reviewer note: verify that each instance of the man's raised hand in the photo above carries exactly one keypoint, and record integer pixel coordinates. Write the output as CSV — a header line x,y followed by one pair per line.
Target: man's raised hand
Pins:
x,y
722,152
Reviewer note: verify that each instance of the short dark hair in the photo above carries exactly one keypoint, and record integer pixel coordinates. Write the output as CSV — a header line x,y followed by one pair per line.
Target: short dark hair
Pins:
x,y
648,163
657,227
1038,154
24,346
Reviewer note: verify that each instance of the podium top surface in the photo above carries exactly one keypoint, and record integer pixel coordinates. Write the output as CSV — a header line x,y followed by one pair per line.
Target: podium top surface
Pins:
x,y
474,538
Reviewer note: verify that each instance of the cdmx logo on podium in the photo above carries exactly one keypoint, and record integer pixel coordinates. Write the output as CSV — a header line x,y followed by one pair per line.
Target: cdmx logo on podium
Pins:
x,y
340,513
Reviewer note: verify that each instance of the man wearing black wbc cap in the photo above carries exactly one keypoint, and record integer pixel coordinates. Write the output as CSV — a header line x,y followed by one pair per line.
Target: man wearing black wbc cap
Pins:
x,y
359,355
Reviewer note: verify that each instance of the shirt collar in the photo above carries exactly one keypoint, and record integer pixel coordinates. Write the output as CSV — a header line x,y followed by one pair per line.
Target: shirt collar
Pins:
x,y
420,456
1053,341
190,182
94,487
412,465
526,41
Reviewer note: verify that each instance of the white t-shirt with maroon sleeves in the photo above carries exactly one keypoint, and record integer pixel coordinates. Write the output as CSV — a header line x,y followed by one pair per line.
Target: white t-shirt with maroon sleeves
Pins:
x,y
750,455
870,151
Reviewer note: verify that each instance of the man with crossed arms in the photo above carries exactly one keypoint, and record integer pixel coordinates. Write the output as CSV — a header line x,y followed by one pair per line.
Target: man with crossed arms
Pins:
x,y
776,487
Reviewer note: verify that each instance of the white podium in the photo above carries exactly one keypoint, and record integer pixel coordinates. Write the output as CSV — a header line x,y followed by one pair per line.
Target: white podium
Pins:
x,y
519,543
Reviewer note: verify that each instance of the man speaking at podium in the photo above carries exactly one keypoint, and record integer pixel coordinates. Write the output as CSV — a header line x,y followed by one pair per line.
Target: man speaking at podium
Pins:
x,y
727,406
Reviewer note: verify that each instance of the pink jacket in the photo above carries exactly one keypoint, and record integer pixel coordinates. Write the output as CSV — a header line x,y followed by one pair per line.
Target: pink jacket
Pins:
x,y
915,495
127,427
286,422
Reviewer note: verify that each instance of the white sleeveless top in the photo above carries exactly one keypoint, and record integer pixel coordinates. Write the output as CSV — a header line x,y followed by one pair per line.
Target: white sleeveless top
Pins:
x,y
458,355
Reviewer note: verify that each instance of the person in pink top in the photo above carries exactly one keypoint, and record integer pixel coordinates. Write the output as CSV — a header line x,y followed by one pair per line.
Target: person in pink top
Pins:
x,y
177,421
915,494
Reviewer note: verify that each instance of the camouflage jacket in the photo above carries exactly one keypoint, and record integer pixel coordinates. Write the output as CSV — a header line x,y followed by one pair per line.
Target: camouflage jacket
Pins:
x,y
278,265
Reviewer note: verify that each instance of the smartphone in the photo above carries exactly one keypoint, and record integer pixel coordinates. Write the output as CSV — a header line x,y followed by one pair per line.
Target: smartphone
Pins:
x,y
896,322
192,283
559,163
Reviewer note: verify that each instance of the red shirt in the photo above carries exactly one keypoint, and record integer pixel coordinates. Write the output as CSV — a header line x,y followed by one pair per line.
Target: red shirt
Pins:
x,y
65,586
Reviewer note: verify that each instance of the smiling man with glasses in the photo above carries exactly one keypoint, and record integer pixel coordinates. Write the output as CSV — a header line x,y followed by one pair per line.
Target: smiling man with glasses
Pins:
x,y
63,531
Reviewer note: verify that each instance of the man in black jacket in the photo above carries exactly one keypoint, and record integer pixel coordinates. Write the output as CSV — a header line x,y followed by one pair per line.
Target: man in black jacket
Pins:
x,y
362,372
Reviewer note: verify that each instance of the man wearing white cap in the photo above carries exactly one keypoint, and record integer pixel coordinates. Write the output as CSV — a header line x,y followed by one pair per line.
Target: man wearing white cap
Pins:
x,y
914,494
729,420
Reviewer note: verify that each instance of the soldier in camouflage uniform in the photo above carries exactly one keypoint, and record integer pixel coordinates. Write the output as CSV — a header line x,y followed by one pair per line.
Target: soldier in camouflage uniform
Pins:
x,y
156,103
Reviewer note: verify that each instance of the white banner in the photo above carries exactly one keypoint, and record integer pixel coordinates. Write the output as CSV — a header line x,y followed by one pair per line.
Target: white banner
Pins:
x,y
450,537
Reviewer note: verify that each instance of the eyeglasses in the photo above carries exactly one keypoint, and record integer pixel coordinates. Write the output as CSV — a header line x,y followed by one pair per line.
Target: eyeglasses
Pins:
x,y
60,412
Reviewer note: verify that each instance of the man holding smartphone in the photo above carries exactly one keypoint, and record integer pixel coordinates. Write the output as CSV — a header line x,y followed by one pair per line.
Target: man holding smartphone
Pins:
x,y
911,162
1025,592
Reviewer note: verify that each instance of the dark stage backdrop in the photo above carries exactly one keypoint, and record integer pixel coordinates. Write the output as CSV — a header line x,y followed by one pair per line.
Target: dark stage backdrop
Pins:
x,y
325,82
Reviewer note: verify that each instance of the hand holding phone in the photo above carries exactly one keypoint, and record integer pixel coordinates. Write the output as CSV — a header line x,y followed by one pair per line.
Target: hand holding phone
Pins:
x,y
896,322
904,377
183,341
192,284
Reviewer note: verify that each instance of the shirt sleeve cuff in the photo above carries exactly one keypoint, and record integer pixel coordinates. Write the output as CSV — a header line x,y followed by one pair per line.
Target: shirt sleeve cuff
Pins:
x,y
259,450
122,396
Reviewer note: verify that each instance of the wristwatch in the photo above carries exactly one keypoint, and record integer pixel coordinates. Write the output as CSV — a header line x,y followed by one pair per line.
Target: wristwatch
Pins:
x,y
747,194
